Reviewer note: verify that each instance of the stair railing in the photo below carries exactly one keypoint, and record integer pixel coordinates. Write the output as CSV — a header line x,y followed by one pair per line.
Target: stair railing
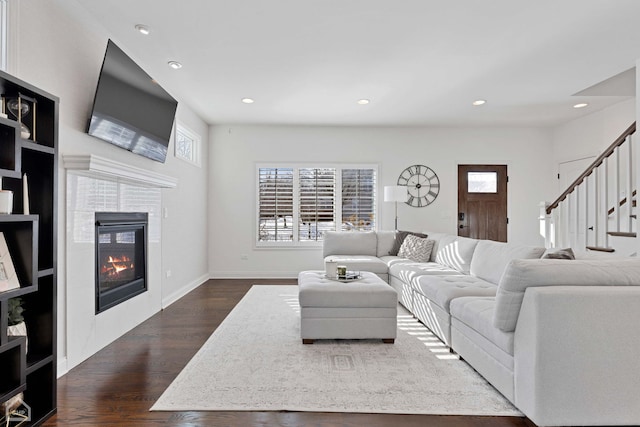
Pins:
x,y
595,206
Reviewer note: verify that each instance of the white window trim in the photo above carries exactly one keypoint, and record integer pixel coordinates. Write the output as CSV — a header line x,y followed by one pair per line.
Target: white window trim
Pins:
x,y
296,244
197,142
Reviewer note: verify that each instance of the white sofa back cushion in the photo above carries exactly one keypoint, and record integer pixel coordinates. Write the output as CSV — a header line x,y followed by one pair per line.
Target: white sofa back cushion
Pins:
x,y
349,243
523,273
435,237
456,252
490,258
386,240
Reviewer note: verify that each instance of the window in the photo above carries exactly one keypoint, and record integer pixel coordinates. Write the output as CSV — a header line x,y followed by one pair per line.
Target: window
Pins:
x,y
187,145
275,211
316,207
482,182
297,205
358,199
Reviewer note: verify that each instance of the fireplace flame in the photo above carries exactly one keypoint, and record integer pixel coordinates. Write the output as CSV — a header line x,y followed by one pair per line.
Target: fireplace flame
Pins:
x,y
114,266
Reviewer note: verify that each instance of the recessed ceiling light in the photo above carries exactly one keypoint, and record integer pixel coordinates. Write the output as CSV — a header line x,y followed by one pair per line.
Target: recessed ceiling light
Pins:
x,y
478,102
142,29
248,100
363,101
581,105
175,65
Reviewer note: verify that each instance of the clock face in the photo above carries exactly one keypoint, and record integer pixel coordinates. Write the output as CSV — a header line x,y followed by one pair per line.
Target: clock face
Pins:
x,y
422,184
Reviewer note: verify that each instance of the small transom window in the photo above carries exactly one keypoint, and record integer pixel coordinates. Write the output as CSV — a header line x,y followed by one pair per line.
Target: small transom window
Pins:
x,y
187,145
482,182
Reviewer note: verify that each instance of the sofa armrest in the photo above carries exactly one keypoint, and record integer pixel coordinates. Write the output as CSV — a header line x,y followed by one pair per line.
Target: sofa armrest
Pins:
x,y
577,355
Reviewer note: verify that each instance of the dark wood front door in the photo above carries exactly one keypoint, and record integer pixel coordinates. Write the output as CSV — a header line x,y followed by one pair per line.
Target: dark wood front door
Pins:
x,y
482,202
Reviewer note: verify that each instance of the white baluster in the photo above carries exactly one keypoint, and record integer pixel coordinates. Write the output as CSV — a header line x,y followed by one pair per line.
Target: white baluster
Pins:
x,y
629,184
606,202
617,187
596,223
586,211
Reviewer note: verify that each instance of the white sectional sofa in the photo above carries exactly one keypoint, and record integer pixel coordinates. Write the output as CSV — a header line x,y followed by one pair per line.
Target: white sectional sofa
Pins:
x,y
560,339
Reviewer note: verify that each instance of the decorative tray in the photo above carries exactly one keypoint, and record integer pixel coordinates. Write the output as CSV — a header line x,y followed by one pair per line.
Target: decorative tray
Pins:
x,y
351,276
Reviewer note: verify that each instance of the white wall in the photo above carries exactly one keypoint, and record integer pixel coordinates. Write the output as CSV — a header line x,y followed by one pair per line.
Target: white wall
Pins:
x,y
234,151
61,51
590,135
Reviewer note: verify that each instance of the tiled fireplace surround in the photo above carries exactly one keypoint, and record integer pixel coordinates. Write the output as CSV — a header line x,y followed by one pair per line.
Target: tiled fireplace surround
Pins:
x,y
95,184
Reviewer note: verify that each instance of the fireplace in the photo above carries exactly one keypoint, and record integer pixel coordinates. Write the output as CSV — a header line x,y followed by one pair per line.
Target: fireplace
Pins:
x,y
121,257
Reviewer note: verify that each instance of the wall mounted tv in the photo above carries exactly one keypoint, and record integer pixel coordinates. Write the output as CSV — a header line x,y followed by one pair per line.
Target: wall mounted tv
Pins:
x,y
130,109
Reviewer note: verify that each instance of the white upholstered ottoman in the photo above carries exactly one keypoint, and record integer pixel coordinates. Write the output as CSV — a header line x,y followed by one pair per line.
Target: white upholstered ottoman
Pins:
x,y
362,309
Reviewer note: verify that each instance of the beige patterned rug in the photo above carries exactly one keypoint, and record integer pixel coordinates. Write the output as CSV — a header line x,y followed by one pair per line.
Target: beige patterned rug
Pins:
x,y
255,361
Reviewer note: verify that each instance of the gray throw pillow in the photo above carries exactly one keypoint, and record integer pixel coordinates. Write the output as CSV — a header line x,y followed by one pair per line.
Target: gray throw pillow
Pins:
x,y
566,253
400,236
416,248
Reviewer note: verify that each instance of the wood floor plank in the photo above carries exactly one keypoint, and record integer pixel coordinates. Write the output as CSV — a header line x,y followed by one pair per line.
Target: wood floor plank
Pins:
x,y
118,385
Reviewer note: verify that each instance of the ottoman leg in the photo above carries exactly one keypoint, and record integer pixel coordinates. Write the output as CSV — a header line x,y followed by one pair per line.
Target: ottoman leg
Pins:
x,y
307,341
388,340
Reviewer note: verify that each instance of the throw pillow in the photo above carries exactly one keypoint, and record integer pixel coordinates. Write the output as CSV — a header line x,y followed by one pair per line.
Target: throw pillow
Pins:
x,y
416,248
399,240
566,253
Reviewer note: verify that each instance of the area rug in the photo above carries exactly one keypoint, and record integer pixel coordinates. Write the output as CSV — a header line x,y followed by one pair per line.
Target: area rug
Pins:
x,y
255,361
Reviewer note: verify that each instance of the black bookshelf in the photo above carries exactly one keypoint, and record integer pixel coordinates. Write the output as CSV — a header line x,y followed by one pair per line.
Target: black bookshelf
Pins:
x,y
29,365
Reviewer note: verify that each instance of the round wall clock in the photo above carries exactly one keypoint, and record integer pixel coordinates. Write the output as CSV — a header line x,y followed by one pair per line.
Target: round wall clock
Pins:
x,y
422,184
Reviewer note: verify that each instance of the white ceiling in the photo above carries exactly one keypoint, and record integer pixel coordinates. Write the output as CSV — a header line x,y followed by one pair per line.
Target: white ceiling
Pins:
x,y
420,62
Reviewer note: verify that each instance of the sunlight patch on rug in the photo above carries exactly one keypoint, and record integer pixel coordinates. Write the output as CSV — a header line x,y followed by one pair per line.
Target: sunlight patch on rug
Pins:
x,y
255,361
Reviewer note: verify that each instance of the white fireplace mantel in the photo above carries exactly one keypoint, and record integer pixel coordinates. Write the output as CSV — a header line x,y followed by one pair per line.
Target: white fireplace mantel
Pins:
x,y
100,167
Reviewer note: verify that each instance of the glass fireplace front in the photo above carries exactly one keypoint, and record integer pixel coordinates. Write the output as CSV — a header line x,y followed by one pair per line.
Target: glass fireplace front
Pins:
x,y
121,259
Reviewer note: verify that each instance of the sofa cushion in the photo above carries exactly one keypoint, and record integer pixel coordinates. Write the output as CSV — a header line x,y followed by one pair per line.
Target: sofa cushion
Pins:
x,y
407,269
349,243
399,240
386,239
442,289
416,248
477,314
491,258
360,263
456,252
436,237
523,273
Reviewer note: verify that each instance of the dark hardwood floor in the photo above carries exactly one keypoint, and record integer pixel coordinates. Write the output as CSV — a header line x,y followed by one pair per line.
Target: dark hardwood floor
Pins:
x,y
119,384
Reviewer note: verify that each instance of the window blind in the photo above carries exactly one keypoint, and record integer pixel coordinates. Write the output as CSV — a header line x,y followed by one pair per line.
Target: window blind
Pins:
x,y
358,199
275,212
316,202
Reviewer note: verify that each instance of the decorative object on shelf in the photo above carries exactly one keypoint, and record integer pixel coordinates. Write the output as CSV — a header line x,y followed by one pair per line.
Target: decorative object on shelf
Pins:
x,y
16,326
422,183
25,195
331,268
395,193
10,413
8,276
6,201
23,109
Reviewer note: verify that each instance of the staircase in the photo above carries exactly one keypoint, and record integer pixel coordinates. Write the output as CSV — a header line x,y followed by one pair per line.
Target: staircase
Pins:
x,y
597,212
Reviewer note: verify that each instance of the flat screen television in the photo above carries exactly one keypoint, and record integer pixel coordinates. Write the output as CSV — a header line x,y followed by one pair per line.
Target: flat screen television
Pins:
x,y
130,109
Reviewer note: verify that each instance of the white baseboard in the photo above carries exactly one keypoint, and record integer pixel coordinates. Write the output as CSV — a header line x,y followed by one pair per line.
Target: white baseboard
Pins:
x,y
254,275
63,367
175,296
